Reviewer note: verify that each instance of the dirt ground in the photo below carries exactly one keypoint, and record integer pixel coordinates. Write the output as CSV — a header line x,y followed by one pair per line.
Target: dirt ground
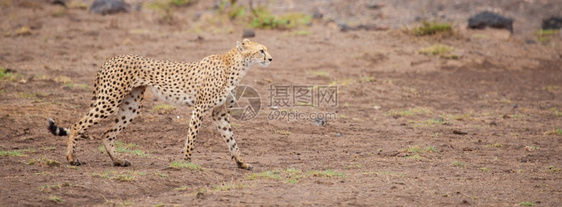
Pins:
x,y
483,129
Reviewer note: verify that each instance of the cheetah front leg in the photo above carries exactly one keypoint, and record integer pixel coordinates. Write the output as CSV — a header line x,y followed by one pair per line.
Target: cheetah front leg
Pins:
x,y
222,122
194,125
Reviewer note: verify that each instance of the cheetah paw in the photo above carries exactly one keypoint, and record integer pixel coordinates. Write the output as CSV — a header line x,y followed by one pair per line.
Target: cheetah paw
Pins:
x,y
75,162
124,163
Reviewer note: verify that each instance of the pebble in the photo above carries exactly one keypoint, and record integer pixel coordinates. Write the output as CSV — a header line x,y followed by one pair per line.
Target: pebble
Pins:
x,y
554,22
319,122
490,19
109,6
248,33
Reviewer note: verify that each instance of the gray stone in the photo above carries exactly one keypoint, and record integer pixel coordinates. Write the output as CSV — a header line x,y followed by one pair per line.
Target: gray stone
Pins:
x,y
248,33
109,6
490,19
554,22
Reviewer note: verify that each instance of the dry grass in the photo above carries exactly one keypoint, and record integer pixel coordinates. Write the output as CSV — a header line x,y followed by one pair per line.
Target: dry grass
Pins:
x,y
439,50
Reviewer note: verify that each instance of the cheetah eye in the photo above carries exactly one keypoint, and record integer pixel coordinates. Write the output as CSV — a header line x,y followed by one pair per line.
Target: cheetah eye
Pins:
x,y
262,51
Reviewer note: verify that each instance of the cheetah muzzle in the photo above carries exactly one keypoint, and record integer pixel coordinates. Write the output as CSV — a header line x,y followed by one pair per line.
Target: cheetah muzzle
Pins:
x,y
206,84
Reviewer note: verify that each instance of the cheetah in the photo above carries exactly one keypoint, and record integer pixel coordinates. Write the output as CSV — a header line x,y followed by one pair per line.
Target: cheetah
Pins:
x,y
206,84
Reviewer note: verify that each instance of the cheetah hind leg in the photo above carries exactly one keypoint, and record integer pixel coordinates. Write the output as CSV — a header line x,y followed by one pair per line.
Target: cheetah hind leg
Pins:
x,y
222,122
128,110
92,118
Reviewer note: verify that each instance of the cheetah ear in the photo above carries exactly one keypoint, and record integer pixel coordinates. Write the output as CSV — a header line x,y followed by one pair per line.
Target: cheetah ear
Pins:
x,y
240,46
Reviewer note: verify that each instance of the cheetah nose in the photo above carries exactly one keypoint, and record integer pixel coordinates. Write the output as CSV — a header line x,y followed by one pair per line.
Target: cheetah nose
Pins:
x,y
270,59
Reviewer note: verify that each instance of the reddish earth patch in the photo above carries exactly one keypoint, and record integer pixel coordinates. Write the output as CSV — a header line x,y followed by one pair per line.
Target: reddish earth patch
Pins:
x,y
411,130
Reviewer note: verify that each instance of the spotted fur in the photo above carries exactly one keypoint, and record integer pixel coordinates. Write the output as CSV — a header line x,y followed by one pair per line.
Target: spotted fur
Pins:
x,y
206,84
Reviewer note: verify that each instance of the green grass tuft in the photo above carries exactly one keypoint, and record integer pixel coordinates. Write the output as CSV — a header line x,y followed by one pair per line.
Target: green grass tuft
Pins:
x,y
14,153
182,188
282,132
415,157
271,174
326,173
545,36
409,112
430,28
55,199
44,161
554,132
497,145
553,169
527,203
319,73
189,165
431,149
439,50
385,173
457,164
163,108
228,186
264,19
5,74
414,149
125,176
162,175
130,148
167,8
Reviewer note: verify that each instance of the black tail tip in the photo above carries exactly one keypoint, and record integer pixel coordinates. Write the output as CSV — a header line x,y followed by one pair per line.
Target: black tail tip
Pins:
x,y
52,126
54,129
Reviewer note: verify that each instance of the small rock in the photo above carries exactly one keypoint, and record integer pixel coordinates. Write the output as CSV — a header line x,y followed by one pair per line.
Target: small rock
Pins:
x,y
344,27
197,16
490,19
200,195
554,22
529,148
368,27
317,15
23,31
459,132
248,33
109,6
493,123
377,107
137,7
531,42
339,134
438,119
373,27
375,6
58,2
319,121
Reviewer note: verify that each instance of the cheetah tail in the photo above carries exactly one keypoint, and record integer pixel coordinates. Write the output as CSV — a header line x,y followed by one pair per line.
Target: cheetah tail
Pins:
x,y
55,130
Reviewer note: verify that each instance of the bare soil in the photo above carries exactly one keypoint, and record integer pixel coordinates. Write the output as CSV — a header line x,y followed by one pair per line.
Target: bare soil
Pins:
x,y
484,129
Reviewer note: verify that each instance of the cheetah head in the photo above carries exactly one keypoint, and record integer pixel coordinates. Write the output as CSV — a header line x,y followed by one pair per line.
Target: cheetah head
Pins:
x,y
254,52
